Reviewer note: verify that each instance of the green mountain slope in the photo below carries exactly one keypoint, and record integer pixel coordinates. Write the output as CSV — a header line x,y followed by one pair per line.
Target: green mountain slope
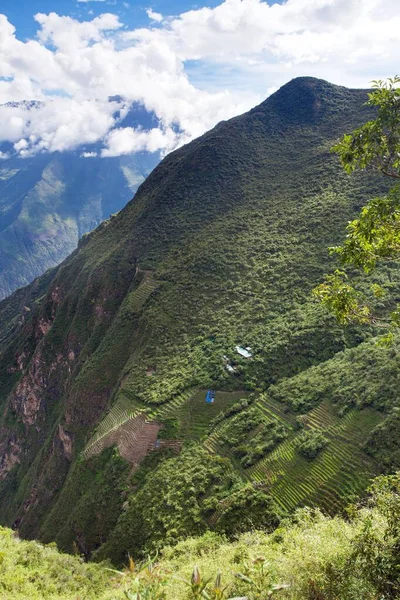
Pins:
x,y
221,247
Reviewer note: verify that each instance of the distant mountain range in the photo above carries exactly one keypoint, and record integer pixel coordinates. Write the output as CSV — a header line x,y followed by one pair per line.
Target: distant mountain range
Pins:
x,y
49,201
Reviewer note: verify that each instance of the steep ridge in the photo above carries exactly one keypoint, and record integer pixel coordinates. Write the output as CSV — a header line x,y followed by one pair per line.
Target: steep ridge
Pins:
x,y
233,228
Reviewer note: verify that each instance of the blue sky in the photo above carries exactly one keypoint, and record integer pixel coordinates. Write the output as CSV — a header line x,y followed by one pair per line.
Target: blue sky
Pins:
x,y
191,69
20,12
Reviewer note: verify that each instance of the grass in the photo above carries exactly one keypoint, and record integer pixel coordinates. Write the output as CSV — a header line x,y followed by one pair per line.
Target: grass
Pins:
x,y
341,471
309,556
195,415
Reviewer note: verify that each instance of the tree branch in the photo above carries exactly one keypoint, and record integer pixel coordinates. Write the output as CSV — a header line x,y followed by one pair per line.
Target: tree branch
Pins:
x,y
389,174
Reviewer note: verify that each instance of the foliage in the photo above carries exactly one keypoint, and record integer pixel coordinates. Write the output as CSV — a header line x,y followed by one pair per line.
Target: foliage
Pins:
x,y
352,378
257,446
375,552
239,426
170,429
342,299
30,570
247,439
145,581
248,508
310,556
384,443
310,443
376,144
238,407
176,499
375,235
96,491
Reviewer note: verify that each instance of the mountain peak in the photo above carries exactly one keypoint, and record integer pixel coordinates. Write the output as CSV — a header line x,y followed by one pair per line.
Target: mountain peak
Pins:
x,y
308,99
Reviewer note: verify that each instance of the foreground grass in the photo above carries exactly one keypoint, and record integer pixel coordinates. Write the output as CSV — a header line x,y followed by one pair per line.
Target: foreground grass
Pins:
x,y
31,570
310,557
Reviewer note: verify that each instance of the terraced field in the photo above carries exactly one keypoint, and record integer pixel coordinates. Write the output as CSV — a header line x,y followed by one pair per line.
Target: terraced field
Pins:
x,y
339,472
172,408
195,415
274,411
127,422
136,299
136,438
107,431
122,424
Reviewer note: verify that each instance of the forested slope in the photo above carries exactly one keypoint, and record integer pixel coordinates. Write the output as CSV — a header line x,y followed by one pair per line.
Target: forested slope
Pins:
x,y
220,247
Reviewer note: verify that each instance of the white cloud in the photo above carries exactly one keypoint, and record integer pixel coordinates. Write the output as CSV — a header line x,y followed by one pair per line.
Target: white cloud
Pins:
x,y
58,125
154,16
128,140
236,53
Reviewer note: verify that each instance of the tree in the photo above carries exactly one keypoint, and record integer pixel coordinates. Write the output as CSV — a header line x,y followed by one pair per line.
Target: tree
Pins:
x,y
375,235
375,556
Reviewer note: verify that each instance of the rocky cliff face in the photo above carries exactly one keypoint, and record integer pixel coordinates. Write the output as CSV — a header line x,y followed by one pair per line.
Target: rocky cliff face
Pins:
x,y
233,228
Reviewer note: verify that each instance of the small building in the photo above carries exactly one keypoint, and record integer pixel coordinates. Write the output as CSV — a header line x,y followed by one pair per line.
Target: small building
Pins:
x,y
210,397
228,365
245,352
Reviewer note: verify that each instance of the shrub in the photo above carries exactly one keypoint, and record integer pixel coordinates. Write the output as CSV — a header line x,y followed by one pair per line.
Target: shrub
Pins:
x,y
310,443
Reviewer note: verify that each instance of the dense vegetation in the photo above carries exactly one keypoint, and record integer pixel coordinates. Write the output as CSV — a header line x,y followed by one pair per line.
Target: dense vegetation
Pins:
x,y
175,500
220,247
309,557
374,236
310,443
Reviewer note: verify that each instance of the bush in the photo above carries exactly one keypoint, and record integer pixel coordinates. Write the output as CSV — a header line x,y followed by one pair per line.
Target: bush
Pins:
x,y
310,443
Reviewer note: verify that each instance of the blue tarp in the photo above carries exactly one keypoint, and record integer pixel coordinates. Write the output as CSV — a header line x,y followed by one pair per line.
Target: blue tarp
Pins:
x,y
210,397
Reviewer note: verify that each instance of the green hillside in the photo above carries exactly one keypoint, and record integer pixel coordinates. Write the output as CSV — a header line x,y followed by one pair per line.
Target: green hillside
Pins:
x,y
309,556
118,346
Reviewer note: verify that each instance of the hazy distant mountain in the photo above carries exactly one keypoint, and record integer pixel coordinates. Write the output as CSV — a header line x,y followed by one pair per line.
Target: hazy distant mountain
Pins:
x,y
48,201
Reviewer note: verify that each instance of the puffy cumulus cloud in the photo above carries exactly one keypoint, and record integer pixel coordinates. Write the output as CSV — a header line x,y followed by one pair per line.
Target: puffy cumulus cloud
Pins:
x,y
59,125
313,37
191,70
68,34
154,16
80,65
128,140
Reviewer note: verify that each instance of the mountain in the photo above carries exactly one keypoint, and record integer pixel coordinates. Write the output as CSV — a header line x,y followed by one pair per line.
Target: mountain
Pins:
x,y
107,444
49,201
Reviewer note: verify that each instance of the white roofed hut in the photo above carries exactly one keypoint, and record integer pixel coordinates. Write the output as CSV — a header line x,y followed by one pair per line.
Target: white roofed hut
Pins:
x,y
245,352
